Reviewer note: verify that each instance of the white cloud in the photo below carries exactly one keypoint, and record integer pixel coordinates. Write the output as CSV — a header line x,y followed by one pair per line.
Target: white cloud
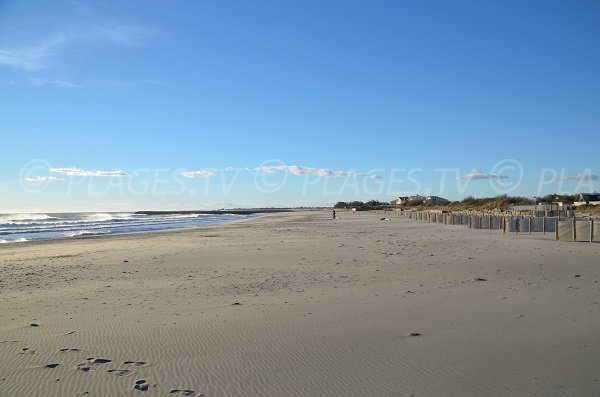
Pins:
x,y
53,83
299,171
72,171
44,178
197,174
36,56
578,177
476,175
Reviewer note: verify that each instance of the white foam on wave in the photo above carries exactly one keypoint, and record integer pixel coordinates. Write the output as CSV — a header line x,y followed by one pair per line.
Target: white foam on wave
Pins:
x,y
19,240
103,216
79,233
16,218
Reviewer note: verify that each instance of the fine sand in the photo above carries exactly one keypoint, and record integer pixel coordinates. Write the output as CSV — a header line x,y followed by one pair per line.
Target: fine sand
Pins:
x,y
297,304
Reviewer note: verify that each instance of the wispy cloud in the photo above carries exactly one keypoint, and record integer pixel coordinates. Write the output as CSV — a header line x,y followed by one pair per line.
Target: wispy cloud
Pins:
x,y
141,83
31,57
53,83
300,171
578,177
292,169
73,171
197,174
36,55
477,175
44,179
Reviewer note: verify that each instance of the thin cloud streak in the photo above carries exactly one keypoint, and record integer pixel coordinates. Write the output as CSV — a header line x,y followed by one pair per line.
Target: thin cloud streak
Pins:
x,y
292,169
300,171
53,83
197,174
476,175
578,177
73,171
36,56
44,179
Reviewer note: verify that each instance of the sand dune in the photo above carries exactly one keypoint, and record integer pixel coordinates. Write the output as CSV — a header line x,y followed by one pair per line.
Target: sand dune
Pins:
x,y
298,304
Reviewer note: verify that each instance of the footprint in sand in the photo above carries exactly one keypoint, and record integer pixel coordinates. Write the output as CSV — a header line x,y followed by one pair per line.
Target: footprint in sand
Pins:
x,y
136,363
120,372
92,362
99,360
141,385
186,392
26,350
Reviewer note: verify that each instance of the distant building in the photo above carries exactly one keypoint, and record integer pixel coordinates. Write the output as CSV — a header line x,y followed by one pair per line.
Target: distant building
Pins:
x,y
418,199
435,200
588,199
402,200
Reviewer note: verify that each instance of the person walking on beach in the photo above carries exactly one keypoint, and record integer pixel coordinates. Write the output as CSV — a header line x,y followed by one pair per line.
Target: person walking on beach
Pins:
x,y
333,214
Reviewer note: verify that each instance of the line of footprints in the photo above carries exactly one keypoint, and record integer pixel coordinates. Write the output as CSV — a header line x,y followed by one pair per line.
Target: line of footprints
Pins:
x,y
93,363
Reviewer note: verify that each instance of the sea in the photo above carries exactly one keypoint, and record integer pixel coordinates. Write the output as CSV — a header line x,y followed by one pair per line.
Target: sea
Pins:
x,y
16,228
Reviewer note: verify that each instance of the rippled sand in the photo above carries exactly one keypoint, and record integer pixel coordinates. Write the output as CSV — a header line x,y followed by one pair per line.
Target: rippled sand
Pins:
x,y
299,304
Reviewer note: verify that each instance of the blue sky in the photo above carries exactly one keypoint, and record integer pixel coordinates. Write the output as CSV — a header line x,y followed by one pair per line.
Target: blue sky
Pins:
x,y
134,105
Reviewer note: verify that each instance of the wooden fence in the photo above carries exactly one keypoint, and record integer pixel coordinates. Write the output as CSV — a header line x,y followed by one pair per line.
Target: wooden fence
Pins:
x,y
563,229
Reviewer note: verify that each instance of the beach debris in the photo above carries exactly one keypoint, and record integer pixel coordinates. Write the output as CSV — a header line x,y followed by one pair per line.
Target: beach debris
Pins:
x,y
141,385
53,365
125,261
577,275
34,325
236,303
414,334
385,219
479,279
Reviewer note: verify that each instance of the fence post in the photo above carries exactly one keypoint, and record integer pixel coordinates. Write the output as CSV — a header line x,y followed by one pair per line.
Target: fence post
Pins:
x,y
544,224
574,230
591,230
530,225
470,221
504,224
556,229
517,225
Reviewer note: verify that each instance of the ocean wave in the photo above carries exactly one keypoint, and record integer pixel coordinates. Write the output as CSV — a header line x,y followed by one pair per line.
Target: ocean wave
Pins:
x,y
19,240
86,232
103,216
15,218
72,225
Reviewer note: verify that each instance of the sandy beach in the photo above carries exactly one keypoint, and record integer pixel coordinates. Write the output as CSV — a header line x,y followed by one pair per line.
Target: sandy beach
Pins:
x,y
297,304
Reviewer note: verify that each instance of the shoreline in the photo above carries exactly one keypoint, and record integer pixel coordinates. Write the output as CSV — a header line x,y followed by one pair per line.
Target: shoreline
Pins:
x,y
109,235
